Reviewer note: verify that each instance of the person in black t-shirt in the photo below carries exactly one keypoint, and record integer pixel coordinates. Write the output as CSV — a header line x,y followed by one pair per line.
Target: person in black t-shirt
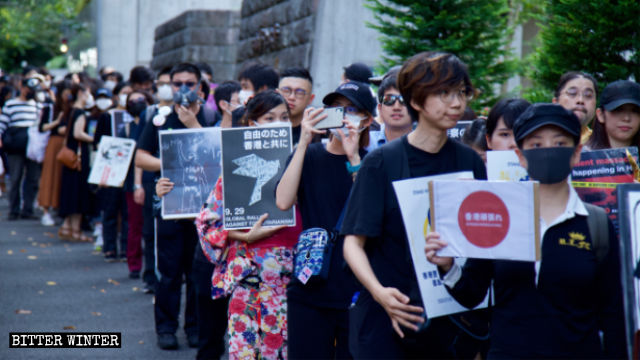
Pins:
x,y
175,239
569,304
385,321
319,178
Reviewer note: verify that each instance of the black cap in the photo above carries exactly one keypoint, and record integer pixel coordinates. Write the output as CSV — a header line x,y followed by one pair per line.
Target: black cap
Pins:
x,y
539,115
619,93
377,80
103,92
358,72
358,93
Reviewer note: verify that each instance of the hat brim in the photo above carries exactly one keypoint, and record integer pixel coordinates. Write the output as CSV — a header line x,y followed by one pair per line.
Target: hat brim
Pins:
x,y
549,120
332,96
616,104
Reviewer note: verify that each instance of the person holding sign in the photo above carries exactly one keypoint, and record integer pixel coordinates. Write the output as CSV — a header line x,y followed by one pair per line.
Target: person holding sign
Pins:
x,y
253,267
387,320
554,308
318,178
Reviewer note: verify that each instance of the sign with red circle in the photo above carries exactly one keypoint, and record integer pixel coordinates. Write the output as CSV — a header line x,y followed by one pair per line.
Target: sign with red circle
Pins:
x,y
483,219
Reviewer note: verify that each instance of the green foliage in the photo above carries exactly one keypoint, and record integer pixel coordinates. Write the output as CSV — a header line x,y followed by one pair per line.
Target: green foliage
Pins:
x,y
32,30
601,37
477,31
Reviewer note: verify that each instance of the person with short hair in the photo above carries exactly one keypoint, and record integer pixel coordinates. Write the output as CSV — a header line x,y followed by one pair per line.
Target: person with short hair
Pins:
x,y
226,97
618,117
569,304
141,78
357,72
393,112
318,178
257,77
296,86
475,137
175,240
385,320
500,123
577,91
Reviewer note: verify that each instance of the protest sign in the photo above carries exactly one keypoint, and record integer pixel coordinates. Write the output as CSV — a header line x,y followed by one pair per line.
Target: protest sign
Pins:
x,y
118,119
457,131
112,161
487,219
253,160
504,165
191,160
629,216
597,175
413,198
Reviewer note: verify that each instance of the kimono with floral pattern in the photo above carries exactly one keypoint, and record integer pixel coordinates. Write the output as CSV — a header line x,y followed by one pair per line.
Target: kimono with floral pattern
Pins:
x,y
255,278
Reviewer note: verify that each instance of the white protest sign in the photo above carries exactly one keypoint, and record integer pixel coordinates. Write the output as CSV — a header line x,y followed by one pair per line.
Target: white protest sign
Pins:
x,y
112,161
413,198
504,165
487,219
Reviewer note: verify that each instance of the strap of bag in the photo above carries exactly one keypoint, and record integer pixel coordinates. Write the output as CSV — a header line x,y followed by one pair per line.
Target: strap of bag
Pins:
x,y
599,230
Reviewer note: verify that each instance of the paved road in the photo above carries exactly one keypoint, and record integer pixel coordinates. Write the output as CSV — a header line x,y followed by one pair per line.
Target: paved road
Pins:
x,y
47,285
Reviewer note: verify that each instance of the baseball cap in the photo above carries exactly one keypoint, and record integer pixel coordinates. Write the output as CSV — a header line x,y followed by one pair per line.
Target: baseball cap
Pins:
x,y
539,115
358,93
377,80
103,92
358,72
619,93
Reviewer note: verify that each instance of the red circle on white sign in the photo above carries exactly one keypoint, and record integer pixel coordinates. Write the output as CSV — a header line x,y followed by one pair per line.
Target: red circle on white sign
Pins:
x,y
484,219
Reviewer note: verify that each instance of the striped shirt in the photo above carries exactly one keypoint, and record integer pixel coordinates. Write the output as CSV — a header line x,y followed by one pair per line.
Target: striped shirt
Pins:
x,y
19,113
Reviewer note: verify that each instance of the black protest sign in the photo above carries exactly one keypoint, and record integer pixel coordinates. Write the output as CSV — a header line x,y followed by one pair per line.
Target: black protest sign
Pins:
x,y
191,160
457,131
253,159
118,120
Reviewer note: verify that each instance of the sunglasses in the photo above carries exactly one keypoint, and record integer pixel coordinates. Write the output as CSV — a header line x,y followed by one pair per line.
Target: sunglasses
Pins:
x,y
189,84
390,100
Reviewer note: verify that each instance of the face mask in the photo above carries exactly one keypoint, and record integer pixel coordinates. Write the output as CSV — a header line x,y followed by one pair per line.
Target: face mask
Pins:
x,y
90,102
354,120
122,100
185,96
109,84
103,104
549,165
244,95
273,123
165,93
135,108
47,84
40,97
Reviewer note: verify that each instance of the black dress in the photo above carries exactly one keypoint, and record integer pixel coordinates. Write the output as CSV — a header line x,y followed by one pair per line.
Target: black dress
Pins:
x,y
74,193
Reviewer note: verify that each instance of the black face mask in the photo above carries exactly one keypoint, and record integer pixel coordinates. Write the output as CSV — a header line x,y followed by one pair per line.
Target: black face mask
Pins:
x,y
135,108
549,165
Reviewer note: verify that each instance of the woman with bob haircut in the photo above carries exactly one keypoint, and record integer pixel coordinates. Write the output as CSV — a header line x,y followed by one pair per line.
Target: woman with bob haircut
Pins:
x,y
500,123
387,320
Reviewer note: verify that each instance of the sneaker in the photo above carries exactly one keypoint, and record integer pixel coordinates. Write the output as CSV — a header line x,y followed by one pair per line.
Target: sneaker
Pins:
x,y
148,289
193,340
98,244
47,220
134,275
110,258
167,341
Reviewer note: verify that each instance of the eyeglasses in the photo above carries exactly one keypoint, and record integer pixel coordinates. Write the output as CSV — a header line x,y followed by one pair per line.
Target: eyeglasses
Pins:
x,y
447,96
390,99
587,94
299,93
179,84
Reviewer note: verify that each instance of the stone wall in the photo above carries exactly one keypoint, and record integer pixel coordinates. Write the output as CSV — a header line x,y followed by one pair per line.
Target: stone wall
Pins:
x,y
199,36
277,32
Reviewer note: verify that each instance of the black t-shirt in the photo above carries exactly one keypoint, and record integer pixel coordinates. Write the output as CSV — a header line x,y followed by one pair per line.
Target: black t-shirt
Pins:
x,y
295,134
373,209
323,191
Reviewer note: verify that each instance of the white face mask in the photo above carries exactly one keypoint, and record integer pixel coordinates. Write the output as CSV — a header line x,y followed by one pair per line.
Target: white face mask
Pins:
x,y
244,95
109,84
274,123
122,100
40,97
47,84
90,102
354,120
165,93
103,104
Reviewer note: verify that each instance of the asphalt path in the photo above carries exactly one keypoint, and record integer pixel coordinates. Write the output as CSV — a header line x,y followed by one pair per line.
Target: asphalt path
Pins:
x,y
47,285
